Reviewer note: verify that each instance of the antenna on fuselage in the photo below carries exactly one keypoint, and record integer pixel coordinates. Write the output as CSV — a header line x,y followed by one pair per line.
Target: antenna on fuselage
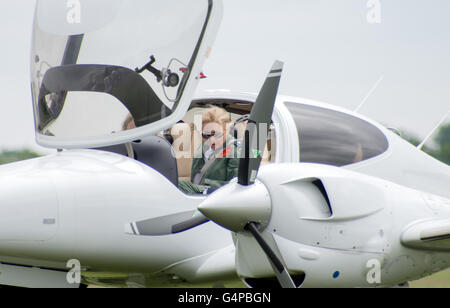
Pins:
x,y
375,86
420,146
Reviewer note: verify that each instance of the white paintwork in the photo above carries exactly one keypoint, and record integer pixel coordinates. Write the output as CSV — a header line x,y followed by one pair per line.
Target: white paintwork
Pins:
x,y
345,242
234,205
207,268
26,204
96,194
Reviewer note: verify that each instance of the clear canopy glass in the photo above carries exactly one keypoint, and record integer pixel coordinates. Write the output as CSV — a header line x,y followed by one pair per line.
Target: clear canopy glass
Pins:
x,y
103,67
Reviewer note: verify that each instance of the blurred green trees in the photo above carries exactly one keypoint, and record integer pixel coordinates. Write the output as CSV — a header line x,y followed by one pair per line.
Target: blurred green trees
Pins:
x,y
9,156
442,140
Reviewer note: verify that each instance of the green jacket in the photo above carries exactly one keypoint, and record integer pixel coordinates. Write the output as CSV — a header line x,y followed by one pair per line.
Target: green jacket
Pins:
x,y
222,170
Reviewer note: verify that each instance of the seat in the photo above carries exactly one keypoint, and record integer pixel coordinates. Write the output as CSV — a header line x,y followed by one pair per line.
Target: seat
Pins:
x,y
186,141
154,151
268,157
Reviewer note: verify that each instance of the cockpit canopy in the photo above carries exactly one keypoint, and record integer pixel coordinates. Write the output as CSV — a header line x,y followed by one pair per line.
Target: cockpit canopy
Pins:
x,y
109,71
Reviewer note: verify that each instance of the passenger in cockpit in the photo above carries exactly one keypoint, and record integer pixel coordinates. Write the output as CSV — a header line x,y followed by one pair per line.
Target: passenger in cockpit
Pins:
x,y
216,161
128,123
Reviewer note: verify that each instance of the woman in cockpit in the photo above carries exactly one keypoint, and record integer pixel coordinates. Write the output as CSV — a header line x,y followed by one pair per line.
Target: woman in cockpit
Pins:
x,y
216,162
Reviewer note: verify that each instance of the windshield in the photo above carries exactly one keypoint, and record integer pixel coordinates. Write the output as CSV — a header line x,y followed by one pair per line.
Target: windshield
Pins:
x,y
102,67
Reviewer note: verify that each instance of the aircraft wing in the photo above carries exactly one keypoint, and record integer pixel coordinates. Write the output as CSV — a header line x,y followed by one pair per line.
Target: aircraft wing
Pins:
x,y
428,235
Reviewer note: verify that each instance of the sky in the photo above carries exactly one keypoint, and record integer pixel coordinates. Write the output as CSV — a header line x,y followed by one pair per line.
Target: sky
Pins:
x,y
398,64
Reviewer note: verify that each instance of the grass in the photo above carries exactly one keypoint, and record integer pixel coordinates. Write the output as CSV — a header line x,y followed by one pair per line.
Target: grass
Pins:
x,y
439,280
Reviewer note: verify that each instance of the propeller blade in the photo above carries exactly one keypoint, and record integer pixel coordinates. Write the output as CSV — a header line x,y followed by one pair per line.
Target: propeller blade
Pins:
x,y
166,225
281,273
258,125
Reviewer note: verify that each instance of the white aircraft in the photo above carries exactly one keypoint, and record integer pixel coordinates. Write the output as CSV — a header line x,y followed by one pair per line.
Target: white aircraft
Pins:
x,y
337,200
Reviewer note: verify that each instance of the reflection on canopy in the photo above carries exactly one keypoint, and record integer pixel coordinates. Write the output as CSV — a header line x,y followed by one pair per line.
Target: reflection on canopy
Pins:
x,y
122,83
334,138
84,78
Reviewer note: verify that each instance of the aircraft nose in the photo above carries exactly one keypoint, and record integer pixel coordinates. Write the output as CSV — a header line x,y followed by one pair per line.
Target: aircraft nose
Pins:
x,y
28,206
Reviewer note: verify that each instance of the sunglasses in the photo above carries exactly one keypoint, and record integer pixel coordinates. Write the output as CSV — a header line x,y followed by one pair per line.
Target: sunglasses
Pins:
x,y
212,134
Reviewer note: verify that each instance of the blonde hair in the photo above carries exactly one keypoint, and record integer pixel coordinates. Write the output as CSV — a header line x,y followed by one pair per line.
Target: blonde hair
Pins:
x,y
216,115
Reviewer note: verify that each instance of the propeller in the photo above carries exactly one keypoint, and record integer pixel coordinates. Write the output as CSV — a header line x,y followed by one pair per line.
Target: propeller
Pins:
x,y
242,206
258,127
